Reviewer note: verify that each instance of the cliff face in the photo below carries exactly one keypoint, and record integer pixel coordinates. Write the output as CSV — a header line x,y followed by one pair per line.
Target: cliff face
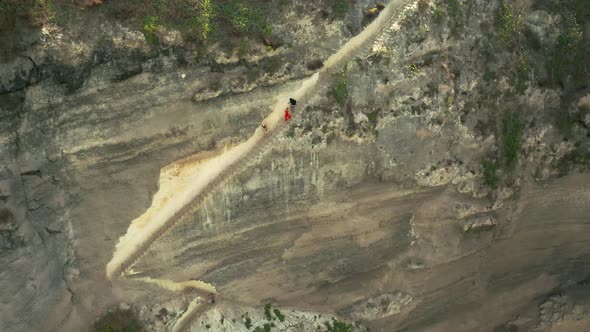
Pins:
x,y
437,182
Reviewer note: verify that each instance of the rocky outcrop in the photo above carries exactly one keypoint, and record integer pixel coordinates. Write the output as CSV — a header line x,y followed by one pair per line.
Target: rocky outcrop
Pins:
x,y
481,224
380,306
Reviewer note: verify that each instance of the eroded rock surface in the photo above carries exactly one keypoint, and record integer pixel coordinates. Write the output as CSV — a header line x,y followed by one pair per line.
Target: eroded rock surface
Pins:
x,y
398,206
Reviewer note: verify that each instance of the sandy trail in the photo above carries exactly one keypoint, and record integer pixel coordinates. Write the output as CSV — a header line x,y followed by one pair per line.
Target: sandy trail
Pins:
x,y
183,185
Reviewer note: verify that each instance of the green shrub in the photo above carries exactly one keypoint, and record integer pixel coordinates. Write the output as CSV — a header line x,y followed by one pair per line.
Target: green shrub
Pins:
x,y
151,25
236,13
373,117
267,312
413,70
509,24
512,127
439,14
118,321
245,19
523,67
265,29
490,176
340,90
204,20
423,6
279,315
489,76
571,38
566,50
159,5
248,323
455,8
341,8
338,326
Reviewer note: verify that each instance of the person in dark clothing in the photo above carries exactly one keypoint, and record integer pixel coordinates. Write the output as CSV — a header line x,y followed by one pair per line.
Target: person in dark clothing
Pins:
x,y
292,102
264,126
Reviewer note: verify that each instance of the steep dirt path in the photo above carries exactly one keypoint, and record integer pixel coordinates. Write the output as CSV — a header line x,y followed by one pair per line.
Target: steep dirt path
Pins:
x,y
183,187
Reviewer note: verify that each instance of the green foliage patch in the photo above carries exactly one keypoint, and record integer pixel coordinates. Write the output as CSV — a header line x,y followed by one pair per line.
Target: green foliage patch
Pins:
x,y
338,326
118,321
151,25
248,323
267,312
341,8
509,24
340,90
490,176
512,128
455,8
567,54
279,315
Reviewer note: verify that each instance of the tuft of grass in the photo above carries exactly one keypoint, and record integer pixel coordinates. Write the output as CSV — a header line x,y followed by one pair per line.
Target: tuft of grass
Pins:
x,y
243,18
569,40
512,127
523,67
212,18
564,53
243,48
151,25
340,90
158,5
455,8
272,65
489,76
509,24
490,176
373,117
341,8
413,70
423,6
203,23
439,14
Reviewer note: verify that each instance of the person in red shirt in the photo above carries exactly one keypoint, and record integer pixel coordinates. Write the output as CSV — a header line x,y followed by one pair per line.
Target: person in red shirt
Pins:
x,y
287,114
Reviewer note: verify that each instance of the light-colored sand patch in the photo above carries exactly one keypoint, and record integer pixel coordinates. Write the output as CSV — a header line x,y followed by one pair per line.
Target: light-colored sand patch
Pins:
x,y
174,286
